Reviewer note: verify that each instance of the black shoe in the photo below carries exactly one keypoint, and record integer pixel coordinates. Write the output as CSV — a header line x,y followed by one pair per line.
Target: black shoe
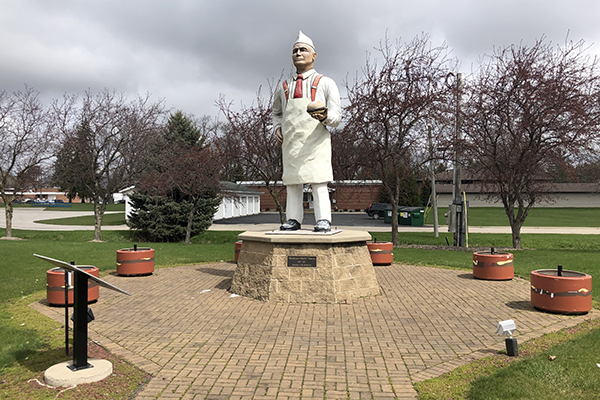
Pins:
x,y
323,226
290,225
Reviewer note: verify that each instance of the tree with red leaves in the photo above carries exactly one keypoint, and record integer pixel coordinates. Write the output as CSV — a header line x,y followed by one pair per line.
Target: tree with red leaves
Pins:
x,y
390,107
529,108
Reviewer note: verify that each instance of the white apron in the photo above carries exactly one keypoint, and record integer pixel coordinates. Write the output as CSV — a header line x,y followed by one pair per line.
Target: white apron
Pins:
x,y
306,146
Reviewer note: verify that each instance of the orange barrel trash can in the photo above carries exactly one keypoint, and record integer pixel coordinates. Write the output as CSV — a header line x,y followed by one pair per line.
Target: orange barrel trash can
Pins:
x,y
55,285
569,293
135,262
493,266
238,248
382,253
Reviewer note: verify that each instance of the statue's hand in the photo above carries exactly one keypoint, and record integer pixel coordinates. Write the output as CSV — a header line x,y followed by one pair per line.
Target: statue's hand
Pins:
x,y
319,115
278,135
317,110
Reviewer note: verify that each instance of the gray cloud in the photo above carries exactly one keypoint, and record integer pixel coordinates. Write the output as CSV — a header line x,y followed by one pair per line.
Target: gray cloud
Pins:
x,y
191,52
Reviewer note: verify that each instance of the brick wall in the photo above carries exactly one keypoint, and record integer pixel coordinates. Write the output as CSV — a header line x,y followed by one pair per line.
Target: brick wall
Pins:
x,y
346,196
355,196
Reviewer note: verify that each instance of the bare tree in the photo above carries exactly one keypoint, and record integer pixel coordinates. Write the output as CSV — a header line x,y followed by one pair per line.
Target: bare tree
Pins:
x,y
26,141
108,137
529,109
390,106
249,141
347,154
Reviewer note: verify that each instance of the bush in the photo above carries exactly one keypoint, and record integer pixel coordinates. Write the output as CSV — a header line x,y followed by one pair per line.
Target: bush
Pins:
x,y
160,219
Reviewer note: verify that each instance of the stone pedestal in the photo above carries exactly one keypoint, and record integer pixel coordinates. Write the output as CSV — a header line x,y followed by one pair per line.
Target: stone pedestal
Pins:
x,y
304,268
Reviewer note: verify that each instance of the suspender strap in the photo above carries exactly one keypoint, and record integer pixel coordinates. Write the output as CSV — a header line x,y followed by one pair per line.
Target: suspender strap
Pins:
x,y
313,89
286,90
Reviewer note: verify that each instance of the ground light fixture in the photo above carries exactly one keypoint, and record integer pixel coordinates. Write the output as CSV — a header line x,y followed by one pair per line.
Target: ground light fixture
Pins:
x,y
507,328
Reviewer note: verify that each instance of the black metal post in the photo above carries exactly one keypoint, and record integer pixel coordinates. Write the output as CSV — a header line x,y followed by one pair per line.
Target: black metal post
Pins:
x,y
80,309
67,309
461,229
80,334
512,347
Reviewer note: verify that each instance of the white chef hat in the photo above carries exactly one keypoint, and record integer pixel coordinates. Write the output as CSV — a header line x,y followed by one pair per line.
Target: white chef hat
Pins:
x,y
302,38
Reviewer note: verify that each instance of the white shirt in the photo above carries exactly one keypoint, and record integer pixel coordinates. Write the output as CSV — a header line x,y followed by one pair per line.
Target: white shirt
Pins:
x,y
327,92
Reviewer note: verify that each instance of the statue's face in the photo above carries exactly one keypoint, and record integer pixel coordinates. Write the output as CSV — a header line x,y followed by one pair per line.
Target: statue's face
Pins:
x,y
303,57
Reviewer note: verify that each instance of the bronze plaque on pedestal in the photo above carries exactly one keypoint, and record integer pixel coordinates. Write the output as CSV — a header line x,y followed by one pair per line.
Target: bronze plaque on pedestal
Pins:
x,y
302,261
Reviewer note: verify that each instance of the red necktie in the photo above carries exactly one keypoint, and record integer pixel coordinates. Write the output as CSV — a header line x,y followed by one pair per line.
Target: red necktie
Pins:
x,y
298,90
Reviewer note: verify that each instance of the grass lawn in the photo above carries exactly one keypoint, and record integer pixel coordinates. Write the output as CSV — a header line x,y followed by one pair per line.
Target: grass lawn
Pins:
x,y
568,376
532,375
495,216
32,342
87,220
23,274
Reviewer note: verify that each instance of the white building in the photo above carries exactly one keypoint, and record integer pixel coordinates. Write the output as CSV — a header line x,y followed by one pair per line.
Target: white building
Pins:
x,y
238,200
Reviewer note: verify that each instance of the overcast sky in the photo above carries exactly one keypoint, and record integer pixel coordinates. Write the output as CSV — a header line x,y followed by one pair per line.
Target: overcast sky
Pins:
x,y
190,52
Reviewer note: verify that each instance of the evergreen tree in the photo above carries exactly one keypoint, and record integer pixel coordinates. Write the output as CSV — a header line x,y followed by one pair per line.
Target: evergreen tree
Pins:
x,y
182,129
162,219
179,193
74,166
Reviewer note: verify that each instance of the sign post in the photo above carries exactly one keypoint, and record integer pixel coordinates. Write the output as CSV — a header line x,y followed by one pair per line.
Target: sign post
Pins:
x,y
80,312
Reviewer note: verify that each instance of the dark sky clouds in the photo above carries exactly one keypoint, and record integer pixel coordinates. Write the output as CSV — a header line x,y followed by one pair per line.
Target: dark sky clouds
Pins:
x,y
189,52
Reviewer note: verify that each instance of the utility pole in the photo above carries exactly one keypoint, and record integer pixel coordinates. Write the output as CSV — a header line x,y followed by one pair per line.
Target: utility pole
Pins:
x,y
457,209
433,193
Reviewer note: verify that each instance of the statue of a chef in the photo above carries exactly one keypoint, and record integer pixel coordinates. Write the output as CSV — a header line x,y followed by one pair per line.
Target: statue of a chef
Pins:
x,y
303,108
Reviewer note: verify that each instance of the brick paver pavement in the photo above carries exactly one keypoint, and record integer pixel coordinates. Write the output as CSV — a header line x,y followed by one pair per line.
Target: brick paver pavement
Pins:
x,y
199,342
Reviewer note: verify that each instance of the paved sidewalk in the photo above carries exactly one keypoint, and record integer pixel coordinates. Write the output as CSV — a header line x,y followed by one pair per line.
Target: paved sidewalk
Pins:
x,y
199,342
25,218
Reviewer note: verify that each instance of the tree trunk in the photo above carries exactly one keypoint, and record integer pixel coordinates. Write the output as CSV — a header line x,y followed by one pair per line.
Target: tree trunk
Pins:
x,y
99,209
516,234
8,213
273,192
188,229
395,197
395,241
515,222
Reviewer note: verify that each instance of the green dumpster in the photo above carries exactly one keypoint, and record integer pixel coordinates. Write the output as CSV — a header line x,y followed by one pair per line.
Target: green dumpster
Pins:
x,y
413,216
388,215
404,216
387,218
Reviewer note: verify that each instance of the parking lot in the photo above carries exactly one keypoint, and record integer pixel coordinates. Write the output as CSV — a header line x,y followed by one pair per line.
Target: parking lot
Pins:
x,y
339,218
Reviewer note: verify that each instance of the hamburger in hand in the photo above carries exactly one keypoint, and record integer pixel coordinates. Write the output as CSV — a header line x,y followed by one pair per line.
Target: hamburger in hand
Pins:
x,y
317,110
